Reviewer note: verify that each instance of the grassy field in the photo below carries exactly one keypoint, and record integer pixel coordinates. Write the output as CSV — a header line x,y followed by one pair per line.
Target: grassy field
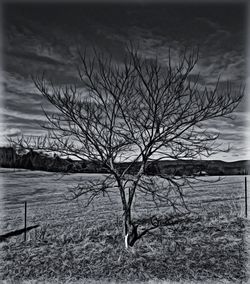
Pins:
x,y
74,242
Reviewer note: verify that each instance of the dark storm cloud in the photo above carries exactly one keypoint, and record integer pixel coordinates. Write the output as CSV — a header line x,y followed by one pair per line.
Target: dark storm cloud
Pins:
x,y
44,38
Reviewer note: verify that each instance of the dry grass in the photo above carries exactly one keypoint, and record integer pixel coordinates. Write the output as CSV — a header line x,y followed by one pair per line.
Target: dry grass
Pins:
x,y
76,243
210,248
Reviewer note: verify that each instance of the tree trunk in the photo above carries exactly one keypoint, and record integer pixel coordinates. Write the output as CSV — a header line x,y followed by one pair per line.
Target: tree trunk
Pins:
x,y
130,230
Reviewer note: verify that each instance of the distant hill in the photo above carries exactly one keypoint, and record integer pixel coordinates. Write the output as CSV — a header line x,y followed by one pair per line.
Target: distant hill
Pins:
x,y
196,167
33,160
39,161
200,167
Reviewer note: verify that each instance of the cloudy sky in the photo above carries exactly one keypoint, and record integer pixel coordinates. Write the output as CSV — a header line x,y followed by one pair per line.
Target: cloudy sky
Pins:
x,y
43,38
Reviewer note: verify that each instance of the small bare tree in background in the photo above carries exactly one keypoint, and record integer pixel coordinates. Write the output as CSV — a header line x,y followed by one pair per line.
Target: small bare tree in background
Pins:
x,y
137,111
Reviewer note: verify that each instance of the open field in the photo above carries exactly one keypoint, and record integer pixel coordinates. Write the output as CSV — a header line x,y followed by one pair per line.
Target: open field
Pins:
x,y
76,242
45,194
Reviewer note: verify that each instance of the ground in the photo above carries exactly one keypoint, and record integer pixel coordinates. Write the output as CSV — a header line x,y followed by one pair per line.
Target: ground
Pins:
x,y
75,243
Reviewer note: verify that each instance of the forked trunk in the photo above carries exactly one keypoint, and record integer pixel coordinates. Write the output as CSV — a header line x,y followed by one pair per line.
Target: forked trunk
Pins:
x,y
130,231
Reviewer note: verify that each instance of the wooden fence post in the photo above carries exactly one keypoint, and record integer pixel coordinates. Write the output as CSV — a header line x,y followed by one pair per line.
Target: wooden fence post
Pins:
x,y
245,196
25,220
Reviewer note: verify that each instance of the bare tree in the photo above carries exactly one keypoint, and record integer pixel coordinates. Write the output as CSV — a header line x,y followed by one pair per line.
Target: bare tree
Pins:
x,y
136,112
